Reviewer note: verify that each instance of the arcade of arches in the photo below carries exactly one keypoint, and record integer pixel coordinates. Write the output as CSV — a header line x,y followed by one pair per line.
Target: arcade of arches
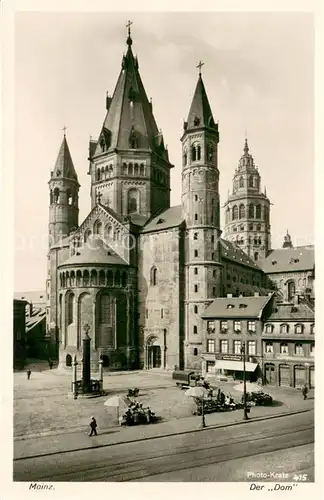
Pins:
x,y
110,316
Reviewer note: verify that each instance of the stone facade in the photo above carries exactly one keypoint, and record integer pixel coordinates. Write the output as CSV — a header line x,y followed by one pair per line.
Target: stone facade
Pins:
x,y
138,272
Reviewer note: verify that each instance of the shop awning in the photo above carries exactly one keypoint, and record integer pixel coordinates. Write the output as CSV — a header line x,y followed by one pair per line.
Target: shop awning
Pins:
x,y
237,366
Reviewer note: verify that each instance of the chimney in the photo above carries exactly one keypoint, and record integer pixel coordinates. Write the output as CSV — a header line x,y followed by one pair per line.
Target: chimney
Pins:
x,y
229,295
256,294
30,308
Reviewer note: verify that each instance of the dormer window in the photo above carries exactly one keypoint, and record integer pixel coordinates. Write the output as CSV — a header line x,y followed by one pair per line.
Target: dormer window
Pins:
x,y
160,221
196,121
230,306
242,306
274,262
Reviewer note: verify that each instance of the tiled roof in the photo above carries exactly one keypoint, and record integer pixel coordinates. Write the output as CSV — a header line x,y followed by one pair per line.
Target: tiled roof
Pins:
x,y
33,320
94,253
123,121
171,217
236,307
200,114
64,165
289,259
294,312
36,297
233,252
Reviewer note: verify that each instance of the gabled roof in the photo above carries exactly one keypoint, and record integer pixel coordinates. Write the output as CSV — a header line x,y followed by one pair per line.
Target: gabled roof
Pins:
x,y
200,114
233,252
237,307
289,260
292,312
64,165
96,252
171,217
37,316
130,113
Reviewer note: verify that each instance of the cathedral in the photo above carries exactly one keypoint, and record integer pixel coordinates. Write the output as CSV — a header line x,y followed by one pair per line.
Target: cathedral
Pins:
x,y
137,274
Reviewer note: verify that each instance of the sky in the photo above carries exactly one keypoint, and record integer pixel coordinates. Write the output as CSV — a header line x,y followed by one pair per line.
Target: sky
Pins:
x,y
259,76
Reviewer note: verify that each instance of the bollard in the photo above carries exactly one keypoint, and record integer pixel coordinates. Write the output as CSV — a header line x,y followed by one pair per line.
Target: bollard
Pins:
x,y
74,377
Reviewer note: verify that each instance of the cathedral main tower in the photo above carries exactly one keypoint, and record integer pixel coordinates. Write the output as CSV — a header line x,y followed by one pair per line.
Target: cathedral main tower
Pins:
x,y
129,163
247,210
200,210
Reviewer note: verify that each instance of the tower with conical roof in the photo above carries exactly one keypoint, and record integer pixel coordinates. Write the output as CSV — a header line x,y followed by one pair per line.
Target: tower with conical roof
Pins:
x,y
247,210
129,163
64,193
200,210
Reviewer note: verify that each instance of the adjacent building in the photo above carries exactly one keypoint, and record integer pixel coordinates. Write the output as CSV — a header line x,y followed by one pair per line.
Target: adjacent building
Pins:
x,y
288,345
19,333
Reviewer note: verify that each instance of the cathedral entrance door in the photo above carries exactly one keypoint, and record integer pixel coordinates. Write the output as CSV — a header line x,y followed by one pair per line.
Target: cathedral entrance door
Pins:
x,y
156,356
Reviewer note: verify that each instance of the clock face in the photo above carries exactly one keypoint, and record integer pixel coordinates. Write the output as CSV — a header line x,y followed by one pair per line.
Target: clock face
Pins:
x,y
58,173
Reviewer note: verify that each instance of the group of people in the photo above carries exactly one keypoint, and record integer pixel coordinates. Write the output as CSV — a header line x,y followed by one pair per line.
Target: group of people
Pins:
x,y
136,414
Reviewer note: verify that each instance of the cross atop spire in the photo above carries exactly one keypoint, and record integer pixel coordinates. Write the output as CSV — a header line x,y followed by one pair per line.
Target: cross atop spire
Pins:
x,y
199,66
64,130
129,39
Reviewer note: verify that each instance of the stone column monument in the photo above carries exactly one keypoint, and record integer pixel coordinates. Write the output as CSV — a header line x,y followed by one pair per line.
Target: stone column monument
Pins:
x,y
86,375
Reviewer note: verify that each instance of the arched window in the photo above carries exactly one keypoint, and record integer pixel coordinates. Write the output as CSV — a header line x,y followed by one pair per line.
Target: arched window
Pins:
x,y
195,236
241,182
210,152
141,169
133,201
153,276
94,277
107,173
87,235
185,158
78,278
130,169
125,168
258,212
86,278
242,211
256,255
72,278
299,328
56,197
117,278
97,227
105,309
198,152
108,232
227,215
284,328
251,181
312,329
110,278
251,211
102,278
70,308
98,174
69,197
136,169
195,351
68,360
291,290
234,212
124,279
193,153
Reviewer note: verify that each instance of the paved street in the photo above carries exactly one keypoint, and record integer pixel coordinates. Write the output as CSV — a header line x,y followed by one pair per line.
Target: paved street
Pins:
x,y
283,444
42,405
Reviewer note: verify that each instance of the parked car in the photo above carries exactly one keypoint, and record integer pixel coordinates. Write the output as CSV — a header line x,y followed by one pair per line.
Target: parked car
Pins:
x,y
186,378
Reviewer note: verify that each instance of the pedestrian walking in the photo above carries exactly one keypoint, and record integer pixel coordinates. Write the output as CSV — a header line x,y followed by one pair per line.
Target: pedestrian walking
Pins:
x,y
50,363
305,391
93,427
28,374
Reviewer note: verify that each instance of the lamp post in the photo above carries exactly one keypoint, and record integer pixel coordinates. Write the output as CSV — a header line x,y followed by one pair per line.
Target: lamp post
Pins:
x,y
245,414
86,377
203,422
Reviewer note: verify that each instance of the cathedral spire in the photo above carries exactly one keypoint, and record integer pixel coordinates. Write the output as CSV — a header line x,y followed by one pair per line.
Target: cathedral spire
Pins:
x,y
287,243
200,114
64,167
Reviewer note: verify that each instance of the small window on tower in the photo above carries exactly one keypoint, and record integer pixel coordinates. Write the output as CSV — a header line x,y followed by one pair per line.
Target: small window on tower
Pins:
x,y
196,197
196,216
196,253
195,236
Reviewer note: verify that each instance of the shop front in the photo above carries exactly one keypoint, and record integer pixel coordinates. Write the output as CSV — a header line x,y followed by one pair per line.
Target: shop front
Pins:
x,y
231,366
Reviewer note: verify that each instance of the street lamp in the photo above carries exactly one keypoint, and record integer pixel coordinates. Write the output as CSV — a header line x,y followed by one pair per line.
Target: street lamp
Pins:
x,y
245,414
